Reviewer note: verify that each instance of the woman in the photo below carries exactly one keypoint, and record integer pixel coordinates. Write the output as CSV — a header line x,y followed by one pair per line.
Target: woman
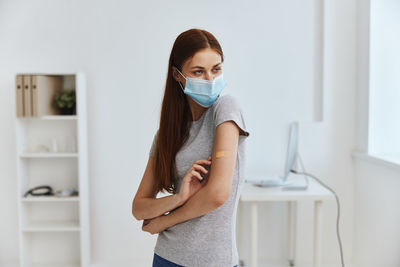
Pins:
x,y
198,155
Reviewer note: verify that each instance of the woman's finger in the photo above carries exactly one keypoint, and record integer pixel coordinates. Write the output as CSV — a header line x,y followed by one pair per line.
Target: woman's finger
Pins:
x,y
197,167
202,161
197,175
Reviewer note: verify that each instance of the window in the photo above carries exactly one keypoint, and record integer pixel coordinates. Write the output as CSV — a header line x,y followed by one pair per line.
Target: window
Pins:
x,y
384,80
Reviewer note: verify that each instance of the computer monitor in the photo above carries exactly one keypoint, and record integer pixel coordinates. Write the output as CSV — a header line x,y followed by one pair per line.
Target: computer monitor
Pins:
x,y
291,149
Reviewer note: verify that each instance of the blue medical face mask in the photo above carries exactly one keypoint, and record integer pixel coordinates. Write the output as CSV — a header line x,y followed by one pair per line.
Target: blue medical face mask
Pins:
x,y
203,92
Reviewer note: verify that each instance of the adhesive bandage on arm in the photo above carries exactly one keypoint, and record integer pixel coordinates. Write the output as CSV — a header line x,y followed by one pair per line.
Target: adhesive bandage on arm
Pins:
x,y
223,154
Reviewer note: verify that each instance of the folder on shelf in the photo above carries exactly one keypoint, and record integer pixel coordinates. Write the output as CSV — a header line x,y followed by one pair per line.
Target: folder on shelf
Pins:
x,y
27,95
19,93
44,88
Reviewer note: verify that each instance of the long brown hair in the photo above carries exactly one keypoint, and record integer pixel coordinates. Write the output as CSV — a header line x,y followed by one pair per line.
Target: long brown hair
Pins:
x,y
175,117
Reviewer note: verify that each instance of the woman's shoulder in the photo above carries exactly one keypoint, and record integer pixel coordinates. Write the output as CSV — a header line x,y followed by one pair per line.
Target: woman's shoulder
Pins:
x,y
226,98
227,102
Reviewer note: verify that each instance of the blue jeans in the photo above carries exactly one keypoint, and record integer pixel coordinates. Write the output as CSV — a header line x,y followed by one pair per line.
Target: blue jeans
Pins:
x,y
161,262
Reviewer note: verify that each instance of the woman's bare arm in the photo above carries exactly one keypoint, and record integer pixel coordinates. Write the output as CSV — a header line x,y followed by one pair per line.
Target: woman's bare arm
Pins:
x,y
145,205
219,183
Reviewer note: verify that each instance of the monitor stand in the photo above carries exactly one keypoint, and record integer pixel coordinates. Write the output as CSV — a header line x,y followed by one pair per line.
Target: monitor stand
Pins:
x,y
272,181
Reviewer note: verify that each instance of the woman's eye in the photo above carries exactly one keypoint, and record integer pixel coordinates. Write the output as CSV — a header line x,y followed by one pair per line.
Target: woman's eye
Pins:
x,y
197,72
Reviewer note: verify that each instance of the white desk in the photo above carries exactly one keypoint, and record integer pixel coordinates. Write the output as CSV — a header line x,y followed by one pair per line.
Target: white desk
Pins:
x,y
254,194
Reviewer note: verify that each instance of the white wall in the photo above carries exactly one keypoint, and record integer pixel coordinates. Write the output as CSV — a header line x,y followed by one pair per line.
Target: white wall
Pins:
x,y
377,217
123,48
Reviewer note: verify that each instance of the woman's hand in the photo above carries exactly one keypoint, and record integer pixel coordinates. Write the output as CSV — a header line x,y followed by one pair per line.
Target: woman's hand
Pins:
x,y
154,225
192,181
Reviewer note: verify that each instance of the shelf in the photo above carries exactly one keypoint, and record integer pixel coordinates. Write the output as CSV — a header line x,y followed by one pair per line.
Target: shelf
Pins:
x,y
51,117
48,199
52,226
52,149
51,249
58,264
48,155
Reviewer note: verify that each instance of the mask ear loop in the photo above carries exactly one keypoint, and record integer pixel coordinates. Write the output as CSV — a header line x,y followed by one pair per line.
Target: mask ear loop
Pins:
x,y
181,86
180,72
182,76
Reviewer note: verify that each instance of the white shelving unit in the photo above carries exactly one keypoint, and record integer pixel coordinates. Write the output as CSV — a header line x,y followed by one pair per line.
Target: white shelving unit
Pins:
x,y
54,230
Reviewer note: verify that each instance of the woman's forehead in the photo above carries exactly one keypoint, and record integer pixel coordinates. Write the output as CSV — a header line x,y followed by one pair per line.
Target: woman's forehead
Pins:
x,y
206,58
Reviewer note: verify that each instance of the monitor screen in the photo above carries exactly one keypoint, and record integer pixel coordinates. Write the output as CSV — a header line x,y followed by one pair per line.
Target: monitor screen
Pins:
x,y
292,148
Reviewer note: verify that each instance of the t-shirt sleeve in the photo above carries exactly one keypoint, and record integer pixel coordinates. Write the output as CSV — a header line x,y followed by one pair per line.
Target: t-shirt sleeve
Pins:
x,y
228,109
152,152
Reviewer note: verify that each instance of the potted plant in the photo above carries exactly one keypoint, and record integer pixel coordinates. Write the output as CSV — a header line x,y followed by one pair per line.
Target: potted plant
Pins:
x,y
65,102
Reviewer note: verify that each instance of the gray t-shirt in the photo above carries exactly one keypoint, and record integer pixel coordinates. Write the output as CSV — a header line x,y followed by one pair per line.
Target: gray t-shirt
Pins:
x,y
208,240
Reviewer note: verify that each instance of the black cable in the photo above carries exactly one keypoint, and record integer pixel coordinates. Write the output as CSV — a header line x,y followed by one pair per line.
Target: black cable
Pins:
x,y
38,191
338,210
304,170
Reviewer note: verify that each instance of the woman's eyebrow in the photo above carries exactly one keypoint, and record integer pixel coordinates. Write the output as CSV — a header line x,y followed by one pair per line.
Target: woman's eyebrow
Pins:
x,y
199,67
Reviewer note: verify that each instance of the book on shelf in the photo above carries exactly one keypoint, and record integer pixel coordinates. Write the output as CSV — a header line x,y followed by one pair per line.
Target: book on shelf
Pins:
x,y
26,80
37,96
20,95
